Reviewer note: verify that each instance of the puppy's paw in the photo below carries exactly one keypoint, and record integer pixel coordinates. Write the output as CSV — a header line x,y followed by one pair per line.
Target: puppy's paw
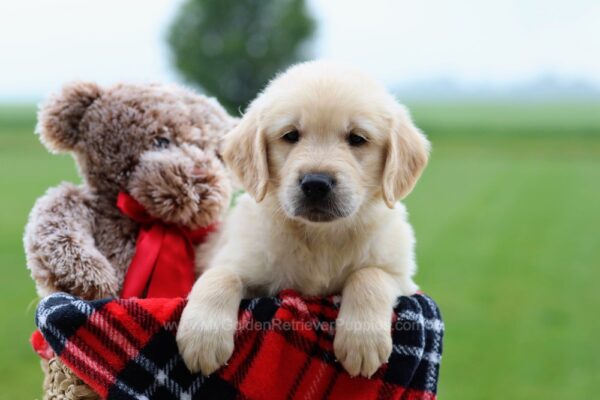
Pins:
x,y
205,342
362,349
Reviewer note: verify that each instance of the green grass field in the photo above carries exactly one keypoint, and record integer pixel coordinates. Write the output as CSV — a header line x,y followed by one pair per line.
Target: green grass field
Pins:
x,y
507,217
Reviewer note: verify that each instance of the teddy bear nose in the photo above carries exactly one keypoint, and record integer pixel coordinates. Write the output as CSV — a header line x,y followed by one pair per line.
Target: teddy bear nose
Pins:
x,y
197,171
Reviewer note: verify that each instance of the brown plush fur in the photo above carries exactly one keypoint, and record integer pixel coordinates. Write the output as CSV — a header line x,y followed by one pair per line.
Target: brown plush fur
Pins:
x,y
158,143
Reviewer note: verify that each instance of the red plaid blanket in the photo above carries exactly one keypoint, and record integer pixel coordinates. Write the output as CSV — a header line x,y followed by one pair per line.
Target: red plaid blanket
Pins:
x,y
126,349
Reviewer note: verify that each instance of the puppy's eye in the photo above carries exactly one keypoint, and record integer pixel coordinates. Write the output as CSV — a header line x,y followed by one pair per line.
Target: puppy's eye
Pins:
x,y
161,142
356,140
291,137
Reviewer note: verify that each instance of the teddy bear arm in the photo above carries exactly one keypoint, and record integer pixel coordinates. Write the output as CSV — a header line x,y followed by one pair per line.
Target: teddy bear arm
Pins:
x,y
60,246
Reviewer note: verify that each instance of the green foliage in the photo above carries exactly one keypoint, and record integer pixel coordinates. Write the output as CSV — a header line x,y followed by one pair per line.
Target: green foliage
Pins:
x,y
231,48
506,220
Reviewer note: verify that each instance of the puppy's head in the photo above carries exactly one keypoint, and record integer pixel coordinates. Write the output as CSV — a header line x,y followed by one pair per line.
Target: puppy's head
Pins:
x,y
326,140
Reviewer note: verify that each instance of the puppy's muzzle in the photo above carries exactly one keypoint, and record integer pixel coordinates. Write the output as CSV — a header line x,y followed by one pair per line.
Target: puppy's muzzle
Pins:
x,y
316,187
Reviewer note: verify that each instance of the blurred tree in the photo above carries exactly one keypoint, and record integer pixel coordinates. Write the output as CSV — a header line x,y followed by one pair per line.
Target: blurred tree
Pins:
x,y
231,48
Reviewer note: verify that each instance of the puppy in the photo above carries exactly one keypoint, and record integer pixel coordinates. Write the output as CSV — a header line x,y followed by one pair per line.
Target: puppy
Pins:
x,y
324,154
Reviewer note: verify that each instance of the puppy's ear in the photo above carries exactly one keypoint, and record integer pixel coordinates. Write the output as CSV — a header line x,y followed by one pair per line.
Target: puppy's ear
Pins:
x,y
407,155
245,153
59,117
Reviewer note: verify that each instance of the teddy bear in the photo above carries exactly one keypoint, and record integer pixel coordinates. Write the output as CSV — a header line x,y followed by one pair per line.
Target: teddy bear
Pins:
x,y
152,176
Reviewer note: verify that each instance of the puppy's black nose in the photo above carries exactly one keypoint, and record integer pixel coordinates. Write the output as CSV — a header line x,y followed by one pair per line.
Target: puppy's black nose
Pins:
x,y
316,186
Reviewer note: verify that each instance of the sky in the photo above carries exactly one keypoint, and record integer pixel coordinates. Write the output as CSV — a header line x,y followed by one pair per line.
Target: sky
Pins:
x,y
498,43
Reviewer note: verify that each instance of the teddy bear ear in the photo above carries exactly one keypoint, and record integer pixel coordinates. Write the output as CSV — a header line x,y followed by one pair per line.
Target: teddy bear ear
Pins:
x,y
59,117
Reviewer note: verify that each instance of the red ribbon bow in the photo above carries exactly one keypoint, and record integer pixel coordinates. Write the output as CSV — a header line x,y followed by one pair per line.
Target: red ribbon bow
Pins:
x,y
163,263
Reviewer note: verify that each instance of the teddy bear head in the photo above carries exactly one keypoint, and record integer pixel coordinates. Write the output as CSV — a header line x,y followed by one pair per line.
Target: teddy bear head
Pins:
x,y
158,143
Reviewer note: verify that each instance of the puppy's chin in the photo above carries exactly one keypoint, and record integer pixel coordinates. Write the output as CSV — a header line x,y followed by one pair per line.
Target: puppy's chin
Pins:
x,y
316,215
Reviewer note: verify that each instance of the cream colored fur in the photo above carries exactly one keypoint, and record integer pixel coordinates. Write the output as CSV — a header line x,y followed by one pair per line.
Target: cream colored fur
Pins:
x,y
366,254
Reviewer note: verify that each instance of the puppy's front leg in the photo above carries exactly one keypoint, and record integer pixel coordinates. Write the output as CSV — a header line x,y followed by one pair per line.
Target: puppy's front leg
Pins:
x,y
363,340
208,322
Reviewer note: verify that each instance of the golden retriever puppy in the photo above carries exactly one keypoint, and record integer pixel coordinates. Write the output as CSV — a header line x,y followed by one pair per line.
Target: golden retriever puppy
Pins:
x,y
324,153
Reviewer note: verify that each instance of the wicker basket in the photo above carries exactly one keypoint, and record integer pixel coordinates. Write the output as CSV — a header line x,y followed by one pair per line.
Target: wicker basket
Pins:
x,y
61,384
